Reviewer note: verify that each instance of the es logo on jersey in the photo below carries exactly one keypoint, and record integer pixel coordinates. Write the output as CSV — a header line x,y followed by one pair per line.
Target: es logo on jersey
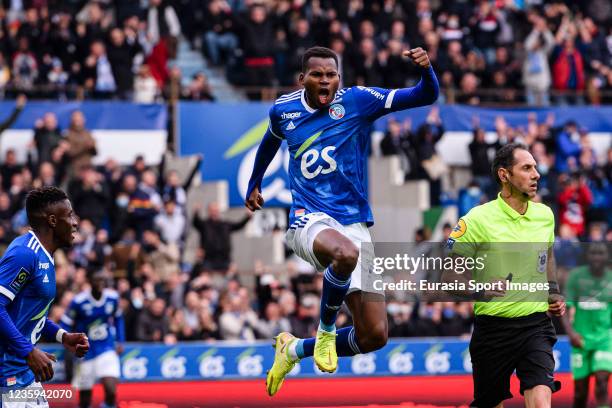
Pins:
x,y
336,111
19,280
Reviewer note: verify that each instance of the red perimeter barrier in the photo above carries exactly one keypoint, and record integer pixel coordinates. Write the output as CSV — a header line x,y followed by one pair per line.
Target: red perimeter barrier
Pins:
x,y
404,392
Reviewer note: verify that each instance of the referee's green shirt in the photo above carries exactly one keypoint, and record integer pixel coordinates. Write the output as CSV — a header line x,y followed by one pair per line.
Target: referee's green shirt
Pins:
x,y
507,242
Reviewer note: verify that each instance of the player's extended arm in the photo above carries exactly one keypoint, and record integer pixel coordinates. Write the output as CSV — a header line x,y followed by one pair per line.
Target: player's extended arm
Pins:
x,y
425,92
11,336
265,153
51,331
76,343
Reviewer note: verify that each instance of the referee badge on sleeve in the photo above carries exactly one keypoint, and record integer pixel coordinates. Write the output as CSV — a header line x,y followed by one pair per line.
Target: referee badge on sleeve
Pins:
x,y
459,229
542,257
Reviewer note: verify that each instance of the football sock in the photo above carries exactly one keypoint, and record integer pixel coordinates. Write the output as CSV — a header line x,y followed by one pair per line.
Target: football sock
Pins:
x,y
334,291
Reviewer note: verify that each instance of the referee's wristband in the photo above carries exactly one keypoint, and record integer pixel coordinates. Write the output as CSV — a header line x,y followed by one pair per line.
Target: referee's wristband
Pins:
x,y
60,335
553,288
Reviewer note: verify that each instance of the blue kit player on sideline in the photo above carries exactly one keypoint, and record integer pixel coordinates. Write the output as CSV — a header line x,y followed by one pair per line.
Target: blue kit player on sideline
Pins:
x,y
97,313
327,131
27,289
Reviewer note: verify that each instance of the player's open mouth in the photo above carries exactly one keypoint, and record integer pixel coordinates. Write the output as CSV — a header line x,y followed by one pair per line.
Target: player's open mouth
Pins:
x,y
534,186
324,96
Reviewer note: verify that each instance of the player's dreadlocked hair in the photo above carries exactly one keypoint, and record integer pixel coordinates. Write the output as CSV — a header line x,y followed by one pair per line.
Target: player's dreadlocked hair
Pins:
x,y
317,52
39,199
504,158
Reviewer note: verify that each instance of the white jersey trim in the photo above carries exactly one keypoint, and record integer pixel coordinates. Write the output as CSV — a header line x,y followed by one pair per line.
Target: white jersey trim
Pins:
x,y
389,99
43,248
303,99
7,293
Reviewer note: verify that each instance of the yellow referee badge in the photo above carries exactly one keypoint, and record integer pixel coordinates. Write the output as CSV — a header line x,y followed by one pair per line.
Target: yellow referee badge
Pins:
x,y
459,229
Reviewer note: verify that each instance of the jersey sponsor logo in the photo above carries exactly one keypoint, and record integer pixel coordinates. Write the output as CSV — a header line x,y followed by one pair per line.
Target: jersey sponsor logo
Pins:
x,y
19,280
459,229
374,92
46,279
336,111
310,158
11,381
290,126
291,115
43,265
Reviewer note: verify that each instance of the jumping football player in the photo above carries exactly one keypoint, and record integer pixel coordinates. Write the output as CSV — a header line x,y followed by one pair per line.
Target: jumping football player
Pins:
x,y
328,131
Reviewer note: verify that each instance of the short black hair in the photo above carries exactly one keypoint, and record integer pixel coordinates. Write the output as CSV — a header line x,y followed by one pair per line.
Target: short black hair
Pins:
x,y
317,52
504,158
39,200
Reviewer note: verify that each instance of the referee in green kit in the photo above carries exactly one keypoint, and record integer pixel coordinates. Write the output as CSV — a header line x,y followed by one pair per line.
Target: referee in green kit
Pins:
x,y
512,327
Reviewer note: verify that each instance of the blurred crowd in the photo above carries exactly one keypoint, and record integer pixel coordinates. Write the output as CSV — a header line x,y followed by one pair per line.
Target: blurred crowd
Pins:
x,y
574,181
487,51
93,49
529,49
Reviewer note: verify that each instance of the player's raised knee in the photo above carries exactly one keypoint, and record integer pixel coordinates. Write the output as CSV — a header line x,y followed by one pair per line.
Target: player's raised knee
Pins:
x,y
345,258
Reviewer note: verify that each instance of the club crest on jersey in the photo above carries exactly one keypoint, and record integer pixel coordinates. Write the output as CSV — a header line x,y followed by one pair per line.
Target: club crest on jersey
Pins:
x,y
336,111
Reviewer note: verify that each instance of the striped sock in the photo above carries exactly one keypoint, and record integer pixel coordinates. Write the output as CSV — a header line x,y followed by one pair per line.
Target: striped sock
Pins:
x,y
346,344
334,291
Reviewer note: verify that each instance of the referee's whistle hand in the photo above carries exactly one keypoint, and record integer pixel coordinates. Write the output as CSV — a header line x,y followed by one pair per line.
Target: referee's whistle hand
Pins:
x,y
556,304
255,200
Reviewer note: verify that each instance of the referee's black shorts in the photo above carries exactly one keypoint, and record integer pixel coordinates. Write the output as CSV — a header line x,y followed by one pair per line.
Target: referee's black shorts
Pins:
x,y
501,345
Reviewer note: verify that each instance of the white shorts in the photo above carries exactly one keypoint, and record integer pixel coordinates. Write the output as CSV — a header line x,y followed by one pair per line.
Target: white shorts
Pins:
x,y
88,372
302,233
18,402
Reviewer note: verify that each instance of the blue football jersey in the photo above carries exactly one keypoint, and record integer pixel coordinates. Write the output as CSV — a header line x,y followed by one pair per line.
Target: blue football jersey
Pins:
x,y
329,150
27,278
96,318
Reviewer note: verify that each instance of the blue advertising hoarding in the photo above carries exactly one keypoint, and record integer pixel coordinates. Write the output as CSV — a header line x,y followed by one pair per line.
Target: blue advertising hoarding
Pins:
x,y
226,360
228,135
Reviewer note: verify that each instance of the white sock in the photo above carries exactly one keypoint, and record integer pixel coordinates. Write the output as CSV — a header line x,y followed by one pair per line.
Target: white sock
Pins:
x,y
293,350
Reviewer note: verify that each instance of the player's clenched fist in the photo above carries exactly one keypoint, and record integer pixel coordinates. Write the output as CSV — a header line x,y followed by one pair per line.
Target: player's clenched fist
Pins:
x,y
76,343
418,56
41,364
255,200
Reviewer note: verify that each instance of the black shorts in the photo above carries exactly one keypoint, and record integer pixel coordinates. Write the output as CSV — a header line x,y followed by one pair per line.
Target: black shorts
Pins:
x,y
501,345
